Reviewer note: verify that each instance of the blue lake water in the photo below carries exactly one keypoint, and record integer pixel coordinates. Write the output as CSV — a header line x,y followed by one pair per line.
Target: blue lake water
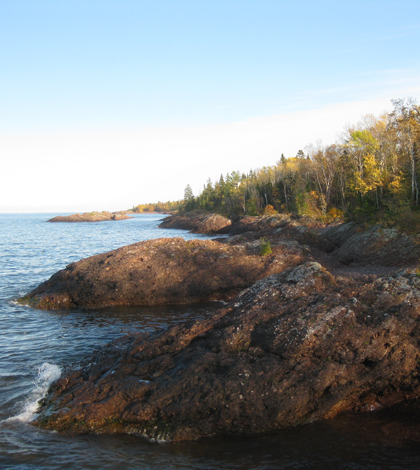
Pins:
x,y
35,345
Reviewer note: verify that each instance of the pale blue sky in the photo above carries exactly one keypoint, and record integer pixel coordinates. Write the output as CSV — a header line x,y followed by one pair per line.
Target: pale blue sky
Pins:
x,y
85,69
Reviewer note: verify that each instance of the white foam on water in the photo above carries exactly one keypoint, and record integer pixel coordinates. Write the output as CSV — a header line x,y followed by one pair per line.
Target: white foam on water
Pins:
x,y
47,374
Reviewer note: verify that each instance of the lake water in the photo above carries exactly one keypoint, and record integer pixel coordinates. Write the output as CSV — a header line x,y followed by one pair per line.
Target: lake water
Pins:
x,y
35,345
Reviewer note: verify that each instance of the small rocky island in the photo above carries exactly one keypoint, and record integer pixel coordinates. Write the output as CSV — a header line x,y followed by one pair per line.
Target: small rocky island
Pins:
x,y
316,322
91,217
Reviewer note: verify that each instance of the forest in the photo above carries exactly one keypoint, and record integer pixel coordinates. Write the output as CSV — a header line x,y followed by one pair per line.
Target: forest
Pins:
x,y
371,174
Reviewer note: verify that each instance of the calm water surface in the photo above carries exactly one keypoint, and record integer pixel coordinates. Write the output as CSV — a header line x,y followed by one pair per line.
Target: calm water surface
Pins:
x,y
35,345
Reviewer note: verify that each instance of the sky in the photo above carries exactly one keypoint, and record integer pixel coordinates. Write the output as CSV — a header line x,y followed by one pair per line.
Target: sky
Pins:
x,y
108,104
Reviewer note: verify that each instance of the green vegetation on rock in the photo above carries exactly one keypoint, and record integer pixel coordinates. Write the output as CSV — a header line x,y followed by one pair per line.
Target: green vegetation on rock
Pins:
x,y
265,248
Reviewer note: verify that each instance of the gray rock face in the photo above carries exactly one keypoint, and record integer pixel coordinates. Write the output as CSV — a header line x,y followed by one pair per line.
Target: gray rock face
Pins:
x,y
338,234
377,246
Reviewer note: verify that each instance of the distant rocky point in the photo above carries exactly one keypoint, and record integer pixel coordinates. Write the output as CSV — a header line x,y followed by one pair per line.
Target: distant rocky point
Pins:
x,y
91,217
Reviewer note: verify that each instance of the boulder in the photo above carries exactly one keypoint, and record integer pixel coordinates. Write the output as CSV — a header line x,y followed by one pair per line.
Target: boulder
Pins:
x,y
293,348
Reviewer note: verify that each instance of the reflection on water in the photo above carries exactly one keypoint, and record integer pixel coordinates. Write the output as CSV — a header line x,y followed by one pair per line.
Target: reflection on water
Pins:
x,y
34,344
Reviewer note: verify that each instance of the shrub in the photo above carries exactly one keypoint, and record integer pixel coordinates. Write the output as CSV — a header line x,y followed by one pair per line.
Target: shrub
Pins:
x,y
265,247
269,210
335,213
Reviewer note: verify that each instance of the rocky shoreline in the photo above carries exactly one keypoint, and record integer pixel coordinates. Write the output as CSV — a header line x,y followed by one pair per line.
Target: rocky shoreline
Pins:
x,y
295,347
328,322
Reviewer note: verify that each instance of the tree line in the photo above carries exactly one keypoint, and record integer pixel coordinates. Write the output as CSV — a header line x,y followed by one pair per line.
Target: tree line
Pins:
x,y
371,173
162,207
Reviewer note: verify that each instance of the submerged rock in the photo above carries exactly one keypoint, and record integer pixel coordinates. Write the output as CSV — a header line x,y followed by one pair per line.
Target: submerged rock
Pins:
x,y
293,348
162,271
91,217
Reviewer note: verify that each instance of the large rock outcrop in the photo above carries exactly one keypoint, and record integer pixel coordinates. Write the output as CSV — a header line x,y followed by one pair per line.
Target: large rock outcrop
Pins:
x,y
373,246
91,217
213,223
198,222
279,228
295,347
339,234
259,224
162,271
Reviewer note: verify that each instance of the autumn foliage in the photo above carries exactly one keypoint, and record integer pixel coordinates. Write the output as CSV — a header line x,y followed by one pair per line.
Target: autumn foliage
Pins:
x,y
371,173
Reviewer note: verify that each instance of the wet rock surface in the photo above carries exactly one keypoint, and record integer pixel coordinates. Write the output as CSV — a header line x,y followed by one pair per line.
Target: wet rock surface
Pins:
x,y
91,217
294,347
162,271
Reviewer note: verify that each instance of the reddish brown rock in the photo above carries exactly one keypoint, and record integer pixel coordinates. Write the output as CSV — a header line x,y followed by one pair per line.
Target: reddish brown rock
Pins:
x,y
162,271
293,348
91,217
213,223
198,222
259,224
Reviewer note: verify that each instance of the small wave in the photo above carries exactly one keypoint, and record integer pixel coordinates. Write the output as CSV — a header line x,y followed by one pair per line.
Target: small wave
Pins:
x,y
47,374
15,303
